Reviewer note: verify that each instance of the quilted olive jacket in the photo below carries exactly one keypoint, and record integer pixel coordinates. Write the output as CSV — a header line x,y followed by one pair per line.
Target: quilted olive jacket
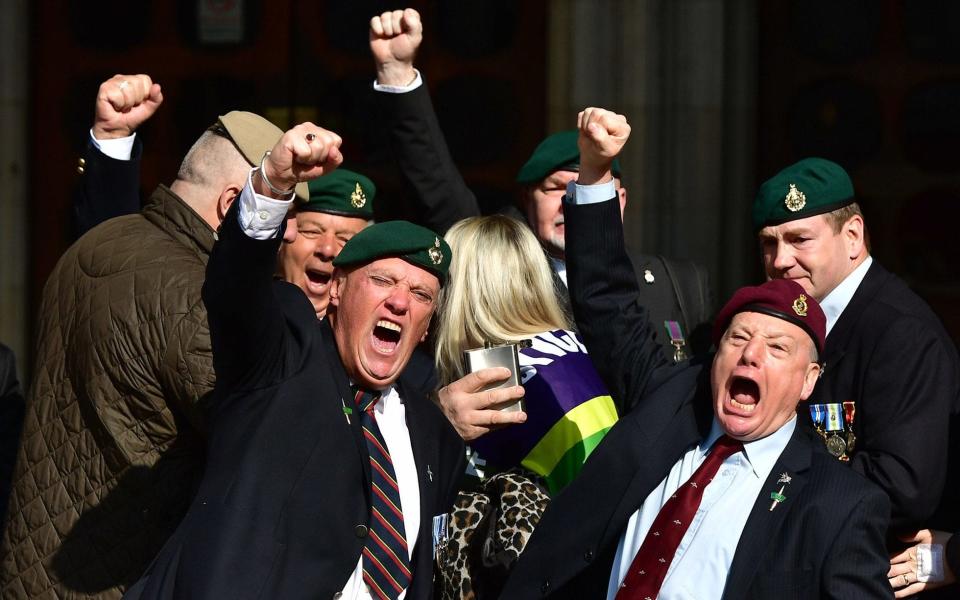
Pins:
x,y
111,446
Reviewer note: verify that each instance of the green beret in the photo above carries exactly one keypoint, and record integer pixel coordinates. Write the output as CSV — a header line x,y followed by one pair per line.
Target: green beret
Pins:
x,y
414,244
557,152
343,193
813,186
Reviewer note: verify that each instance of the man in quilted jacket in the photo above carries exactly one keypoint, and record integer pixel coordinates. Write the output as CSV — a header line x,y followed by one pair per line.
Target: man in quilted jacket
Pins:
x,y
112,443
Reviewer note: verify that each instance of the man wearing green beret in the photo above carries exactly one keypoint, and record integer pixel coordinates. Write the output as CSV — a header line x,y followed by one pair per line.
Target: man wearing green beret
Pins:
x,y
339,207
324,467
890,378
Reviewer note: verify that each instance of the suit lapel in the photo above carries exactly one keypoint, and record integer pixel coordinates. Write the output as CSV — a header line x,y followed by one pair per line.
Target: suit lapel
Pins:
x,y
760,533
342,382
846,324
842,333
423,443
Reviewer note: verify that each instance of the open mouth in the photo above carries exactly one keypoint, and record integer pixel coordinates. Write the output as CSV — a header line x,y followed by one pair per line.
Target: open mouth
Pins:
x,y
744,393
317,280
318,277
386,336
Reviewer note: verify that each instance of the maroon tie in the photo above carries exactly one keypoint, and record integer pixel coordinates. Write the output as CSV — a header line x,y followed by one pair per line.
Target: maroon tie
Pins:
x,y
649,567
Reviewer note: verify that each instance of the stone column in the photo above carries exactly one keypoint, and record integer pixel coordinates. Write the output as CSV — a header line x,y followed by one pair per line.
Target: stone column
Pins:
x,y
13,172
684,74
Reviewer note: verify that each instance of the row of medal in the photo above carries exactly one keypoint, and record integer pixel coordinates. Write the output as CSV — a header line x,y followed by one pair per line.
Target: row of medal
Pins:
x,y
834,423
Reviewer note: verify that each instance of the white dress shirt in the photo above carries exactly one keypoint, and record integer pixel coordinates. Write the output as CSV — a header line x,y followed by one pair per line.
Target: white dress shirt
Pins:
x,y
840,297
702,561
260,218
115,148
400,89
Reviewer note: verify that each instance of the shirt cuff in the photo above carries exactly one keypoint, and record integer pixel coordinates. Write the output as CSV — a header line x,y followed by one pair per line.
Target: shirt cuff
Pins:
x,y
400,89
260,216
590,194
116,148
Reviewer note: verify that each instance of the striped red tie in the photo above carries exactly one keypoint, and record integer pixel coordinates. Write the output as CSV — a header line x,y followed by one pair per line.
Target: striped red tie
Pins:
x,y
386,563
650,565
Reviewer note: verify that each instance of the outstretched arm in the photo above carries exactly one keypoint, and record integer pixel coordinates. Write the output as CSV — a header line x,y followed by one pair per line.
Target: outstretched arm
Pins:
x,y
248,330
110,167
603,287
407,115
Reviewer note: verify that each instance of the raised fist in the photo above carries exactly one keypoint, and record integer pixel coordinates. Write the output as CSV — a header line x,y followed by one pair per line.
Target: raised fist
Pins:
x,y
602,136
303,153
395,37
124,102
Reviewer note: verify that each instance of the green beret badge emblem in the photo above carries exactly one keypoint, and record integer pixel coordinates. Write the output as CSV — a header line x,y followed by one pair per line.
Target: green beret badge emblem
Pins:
x,y
357,198
795,199
436,256
800,306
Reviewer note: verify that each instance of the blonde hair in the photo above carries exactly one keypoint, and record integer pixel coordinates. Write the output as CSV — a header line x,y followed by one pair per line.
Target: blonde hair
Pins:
x,y
500,290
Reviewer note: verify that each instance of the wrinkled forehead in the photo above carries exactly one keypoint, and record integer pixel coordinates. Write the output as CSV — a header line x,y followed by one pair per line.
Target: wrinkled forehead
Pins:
x,y
331,221
767,326
398,269
807,226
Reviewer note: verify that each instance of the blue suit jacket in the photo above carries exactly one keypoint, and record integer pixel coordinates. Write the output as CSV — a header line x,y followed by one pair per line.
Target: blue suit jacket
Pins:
x,y
824,541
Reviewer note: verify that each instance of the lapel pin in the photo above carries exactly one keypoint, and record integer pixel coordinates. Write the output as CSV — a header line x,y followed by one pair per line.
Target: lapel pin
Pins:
x,y
429,474
778,497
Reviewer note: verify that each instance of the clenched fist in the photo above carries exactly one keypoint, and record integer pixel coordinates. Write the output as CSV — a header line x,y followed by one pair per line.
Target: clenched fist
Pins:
x,y
603,134
395,37
124,102
303,153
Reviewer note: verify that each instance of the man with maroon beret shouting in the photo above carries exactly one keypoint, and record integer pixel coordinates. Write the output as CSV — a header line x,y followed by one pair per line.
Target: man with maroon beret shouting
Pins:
x,y
707,489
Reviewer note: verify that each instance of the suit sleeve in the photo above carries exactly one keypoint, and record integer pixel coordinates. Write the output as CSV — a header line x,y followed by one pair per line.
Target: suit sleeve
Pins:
x,y
252,335
107,188
903,439
856,565
421,152
604,295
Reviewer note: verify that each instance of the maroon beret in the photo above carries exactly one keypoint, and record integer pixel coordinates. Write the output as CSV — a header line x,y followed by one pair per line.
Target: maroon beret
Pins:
x,y
781,298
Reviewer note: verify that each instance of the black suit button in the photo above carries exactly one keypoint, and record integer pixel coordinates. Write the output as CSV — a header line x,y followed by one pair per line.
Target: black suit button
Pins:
x,y
545,587
588,555
337,596
360,531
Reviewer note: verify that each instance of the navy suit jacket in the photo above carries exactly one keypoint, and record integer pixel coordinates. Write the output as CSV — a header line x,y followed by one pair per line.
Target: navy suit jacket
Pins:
x,y
824,541
283,506
889,353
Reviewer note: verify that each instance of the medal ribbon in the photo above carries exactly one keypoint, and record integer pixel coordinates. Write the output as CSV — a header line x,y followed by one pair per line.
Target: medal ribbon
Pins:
x,y
834,417
816,414
849,410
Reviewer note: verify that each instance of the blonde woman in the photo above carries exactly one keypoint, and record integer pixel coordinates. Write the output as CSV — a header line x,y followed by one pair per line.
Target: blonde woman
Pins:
x,y
501,290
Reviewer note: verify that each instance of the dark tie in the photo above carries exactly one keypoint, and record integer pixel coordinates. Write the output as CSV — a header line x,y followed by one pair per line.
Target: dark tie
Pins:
x,y
386,564
649,567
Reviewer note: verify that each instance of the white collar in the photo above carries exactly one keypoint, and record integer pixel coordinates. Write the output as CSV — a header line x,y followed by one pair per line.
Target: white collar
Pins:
x,y
838,299
560,268
760,454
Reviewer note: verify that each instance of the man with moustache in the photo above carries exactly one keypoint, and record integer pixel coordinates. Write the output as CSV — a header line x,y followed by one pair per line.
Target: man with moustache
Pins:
x,y
708,488
313,488
677,293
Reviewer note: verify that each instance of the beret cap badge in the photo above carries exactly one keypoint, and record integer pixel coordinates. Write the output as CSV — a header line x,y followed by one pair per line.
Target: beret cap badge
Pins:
x,y
357,198
795,199
436,256
800,306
